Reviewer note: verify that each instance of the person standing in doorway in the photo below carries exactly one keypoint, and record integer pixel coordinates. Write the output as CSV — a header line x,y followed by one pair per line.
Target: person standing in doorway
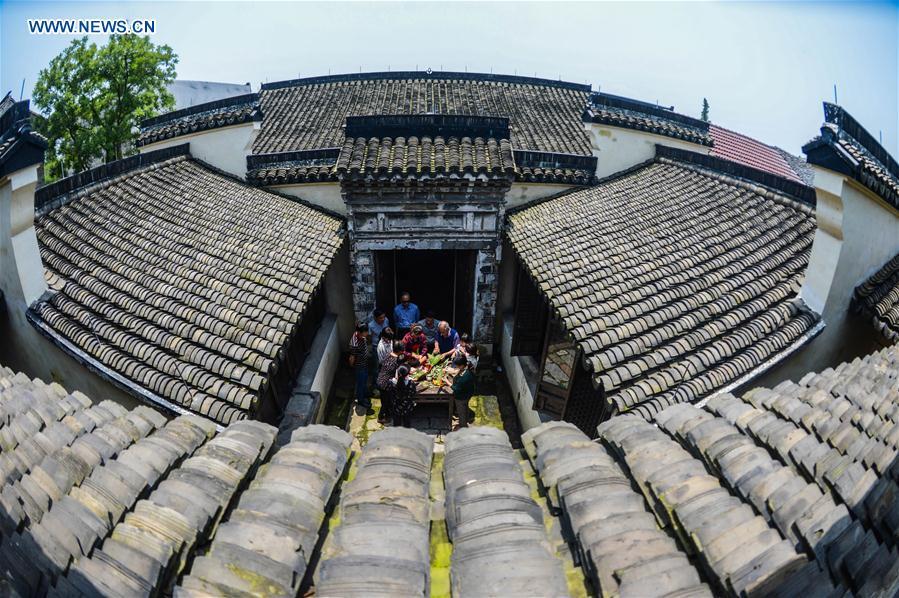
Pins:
x,y
403,403
463,389
405,314
359,356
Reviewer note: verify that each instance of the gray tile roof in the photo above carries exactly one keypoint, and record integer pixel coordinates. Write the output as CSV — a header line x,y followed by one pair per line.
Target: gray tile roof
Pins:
x,y
878,299
786,491
202,117
414,157
99,500
310,113
184,281
674,281
480,470
310,166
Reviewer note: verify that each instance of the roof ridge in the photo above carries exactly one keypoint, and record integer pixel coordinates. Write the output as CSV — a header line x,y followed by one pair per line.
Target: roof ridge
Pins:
x,y
793,193
49,197
245,183
599,182
428,74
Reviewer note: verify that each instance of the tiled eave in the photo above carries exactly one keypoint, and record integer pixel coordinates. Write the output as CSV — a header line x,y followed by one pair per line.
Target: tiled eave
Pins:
x,y
877,299
846,147
640,121
20,146
202,117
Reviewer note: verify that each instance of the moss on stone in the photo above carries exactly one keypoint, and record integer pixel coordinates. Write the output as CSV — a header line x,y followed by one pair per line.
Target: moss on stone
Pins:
x,y
486,411
259,585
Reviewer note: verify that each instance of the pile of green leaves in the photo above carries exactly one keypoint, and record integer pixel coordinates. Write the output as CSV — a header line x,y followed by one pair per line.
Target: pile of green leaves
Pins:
x,y
92,99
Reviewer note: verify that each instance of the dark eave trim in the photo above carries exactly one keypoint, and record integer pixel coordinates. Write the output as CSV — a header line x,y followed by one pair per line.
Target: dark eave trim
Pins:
x,y
302,156
419,125
549,160
17,114
794,189
828,152
54,195
249,98
437,75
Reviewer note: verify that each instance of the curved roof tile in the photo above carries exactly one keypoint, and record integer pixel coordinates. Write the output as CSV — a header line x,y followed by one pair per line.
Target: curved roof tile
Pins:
x,y
184,281
674,281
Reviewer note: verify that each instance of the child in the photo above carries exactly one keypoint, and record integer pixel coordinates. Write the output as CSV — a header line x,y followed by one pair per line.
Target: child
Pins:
x,y
403,389
385,344
463,389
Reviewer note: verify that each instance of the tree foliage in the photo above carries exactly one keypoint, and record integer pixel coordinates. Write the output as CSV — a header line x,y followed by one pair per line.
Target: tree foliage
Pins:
x,y
705,110
92,99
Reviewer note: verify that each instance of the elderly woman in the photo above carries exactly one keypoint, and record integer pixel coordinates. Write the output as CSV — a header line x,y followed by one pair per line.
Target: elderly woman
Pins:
x,y
416,343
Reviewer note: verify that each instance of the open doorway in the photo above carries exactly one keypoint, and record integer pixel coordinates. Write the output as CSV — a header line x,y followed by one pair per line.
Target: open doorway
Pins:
x,y
441,281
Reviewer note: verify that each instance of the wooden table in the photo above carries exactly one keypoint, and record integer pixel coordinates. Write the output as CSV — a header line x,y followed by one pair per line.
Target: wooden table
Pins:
x,y
432,395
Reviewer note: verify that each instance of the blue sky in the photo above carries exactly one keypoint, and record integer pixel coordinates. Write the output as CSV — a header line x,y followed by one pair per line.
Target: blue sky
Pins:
x,y
765,67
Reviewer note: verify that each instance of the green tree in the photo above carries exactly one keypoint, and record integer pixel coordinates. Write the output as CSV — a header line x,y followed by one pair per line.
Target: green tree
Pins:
x,y
705,110
92,99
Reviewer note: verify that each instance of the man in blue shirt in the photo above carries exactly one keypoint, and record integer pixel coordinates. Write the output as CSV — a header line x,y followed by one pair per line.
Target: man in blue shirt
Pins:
x,y
405,314
377,324
447,340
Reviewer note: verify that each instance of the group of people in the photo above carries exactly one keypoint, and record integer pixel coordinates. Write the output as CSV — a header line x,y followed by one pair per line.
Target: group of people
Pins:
x,y
384,355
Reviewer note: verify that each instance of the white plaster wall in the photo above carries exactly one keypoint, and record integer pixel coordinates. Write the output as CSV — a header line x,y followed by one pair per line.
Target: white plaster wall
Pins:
x,y
518,385
617,149
325,195
339,293
22,347
857,234
320,368
522,193
226,148
327,368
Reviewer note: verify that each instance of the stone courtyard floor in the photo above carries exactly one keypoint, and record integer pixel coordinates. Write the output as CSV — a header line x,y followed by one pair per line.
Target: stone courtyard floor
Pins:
x,y
492,406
